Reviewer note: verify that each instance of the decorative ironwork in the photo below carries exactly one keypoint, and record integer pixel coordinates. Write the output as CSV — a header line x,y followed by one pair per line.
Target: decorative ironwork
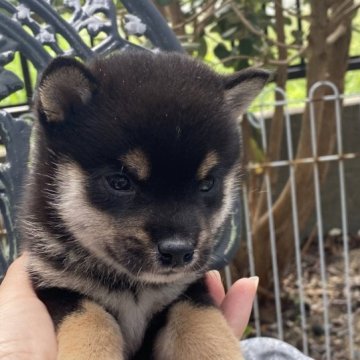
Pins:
x,y
15,134
9,82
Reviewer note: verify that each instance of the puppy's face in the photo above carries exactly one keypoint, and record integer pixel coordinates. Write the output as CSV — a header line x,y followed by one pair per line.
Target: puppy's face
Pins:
x,y
143,152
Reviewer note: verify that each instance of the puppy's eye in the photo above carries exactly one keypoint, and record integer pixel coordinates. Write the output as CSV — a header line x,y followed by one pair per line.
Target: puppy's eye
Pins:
x,y
206,184
119,182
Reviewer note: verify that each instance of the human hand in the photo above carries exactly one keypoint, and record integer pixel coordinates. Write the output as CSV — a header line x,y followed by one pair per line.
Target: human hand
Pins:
x,y
236,305
26,329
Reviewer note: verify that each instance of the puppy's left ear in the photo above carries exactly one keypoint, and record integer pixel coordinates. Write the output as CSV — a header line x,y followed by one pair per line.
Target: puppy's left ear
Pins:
x,y
242,88
65,87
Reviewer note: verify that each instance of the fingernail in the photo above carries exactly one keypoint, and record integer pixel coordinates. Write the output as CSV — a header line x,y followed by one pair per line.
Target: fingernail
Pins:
x,y
216,274
255,279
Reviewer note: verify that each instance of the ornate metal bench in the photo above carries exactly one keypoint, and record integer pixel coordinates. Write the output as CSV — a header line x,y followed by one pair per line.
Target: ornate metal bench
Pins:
x,y
35,29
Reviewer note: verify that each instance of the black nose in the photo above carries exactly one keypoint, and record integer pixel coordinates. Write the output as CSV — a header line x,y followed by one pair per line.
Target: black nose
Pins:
x,y
175,252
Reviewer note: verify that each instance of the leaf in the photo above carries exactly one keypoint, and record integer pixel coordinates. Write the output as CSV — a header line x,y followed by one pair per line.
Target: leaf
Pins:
x,y
287,20
222,25
221,51
246,46
229,33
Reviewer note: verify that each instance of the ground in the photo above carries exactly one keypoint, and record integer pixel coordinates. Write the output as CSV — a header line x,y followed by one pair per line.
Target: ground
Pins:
x,y
314,301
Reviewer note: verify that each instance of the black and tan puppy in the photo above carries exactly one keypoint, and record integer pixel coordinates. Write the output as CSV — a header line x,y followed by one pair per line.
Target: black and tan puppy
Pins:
x,y
135,166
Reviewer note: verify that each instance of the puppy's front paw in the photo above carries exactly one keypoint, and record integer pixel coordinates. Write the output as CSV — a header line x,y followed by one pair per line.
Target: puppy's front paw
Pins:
x,y
196,333
89,333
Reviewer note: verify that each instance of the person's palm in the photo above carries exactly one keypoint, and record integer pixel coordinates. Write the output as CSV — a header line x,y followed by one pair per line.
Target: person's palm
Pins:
x,y
26,329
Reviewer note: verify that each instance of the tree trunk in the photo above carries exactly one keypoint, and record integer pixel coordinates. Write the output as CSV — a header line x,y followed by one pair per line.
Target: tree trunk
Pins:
x,y
277,123
176,17
173,14
326,61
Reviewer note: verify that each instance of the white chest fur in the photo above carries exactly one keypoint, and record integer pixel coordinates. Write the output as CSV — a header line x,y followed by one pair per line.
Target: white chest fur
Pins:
x,y
134,313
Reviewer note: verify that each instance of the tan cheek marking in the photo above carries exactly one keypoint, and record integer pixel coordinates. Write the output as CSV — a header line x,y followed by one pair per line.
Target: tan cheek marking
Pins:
x,y
137,232
194,333
76,211
134,226
137,161
141,235
90,334
211,160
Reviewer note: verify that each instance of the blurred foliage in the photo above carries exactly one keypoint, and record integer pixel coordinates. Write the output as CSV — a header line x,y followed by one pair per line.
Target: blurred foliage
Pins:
x,y
234,34
227,34
243,30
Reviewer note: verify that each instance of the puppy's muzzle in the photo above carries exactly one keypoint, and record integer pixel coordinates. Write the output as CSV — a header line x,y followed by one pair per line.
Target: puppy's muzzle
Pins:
x,y
175,253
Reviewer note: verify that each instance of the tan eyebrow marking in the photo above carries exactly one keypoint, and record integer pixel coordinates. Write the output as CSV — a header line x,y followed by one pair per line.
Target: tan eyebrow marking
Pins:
x,y
136,160
211,160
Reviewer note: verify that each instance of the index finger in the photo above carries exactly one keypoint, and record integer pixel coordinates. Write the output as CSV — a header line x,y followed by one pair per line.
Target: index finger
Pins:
x,y
215,286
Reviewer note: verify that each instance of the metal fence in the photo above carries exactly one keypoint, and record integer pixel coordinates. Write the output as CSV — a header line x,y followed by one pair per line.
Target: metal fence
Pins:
x,y
326,325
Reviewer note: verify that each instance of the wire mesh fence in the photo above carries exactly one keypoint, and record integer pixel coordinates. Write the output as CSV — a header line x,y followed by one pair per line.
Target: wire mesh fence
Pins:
x,y
325,325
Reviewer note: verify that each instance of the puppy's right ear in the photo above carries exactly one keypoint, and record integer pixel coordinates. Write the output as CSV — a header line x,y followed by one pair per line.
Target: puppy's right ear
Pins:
x,y
242,87
65,87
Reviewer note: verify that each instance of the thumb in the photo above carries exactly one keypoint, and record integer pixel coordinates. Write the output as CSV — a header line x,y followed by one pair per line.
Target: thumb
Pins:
x,y
238,303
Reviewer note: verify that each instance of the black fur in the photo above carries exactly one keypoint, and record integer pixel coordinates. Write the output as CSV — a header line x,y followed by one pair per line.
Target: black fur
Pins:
x,y
60,302
175,110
